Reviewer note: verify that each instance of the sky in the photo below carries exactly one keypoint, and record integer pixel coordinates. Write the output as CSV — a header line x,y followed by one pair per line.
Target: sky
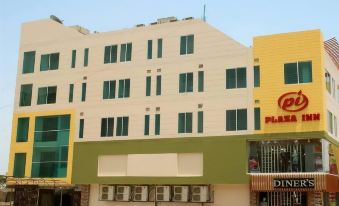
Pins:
x,y
239,19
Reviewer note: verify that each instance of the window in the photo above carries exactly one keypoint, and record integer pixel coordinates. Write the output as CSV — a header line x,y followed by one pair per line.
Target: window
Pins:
x,y
71,93
49,62
47,95
200,122
187,44
86,51
236,119
256,76
149,49
74,56
124,88
126,52
81,128
111,54
200,81
328,82
159,55
330,122
148,86
122,126
335,125
257,118
107,125
83,92
157,124
29,61
236,78
185,122
22,129
146,129
25,95
333,88
109,89
185,82
19,165
296,73
158,85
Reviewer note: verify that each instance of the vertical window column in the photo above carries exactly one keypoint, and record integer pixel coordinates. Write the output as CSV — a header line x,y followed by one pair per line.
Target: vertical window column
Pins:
x,y
149,49
200,122
71,93
148,86
28,63
159,54
19,165
25,95
157,124
86,52
257,118
146,128
158,85
81,128
74,56
83,91
256,76
22,129
200,81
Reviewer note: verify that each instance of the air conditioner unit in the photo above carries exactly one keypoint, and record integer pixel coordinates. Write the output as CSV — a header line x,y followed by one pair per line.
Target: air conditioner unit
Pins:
x,y
122,193
162,193
140,193
200,194
106,192
180,193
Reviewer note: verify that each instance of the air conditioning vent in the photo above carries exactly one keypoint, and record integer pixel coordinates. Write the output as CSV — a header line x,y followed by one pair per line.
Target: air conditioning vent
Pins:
x,y
163,193
200,194
180,193
123,193
140,193
106,192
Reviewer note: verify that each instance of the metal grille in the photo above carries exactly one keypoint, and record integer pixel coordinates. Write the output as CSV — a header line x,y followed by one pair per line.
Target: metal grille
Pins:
x,y
284,198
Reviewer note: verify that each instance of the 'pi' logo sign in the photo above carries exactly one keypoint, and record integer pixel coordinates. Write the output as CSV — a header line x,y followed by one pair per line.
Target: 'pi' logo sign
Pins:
x,y
293,101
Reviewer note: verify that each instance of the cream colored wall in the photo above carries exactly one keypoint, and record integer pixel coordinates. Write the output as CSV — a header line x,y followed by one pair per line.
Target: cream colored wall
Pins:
x,y
233,195
212,49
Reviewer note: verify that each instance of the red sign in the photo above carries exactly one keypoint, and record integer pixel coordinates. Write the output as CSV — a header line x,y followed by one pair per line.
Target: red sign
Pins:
x,y
293,101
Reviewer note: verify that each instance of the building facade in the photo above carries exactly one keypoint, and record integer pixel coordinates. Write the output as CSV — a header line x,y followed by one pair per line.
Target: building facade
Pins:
x,y
174,113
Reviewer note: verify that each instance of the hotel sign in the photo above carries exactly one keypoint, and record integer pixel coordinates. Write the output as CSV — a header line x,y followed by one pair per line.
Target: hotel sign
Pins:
x,y
294,183
293,102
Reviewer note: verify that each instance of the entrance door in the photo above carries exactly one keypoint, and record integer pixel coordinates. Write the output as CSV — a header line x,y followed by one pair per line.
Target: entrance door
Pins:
x,y
46,197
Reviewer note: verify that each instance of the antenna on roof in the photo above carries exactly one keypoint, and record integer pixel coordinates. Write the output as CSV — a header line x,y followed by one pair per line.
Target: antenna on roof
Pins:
x,y
204,14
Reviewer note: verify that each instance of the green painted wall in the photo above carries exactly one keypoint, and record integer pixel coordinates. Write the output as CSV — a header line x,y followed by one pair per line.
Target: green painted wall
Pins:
x,y
225,157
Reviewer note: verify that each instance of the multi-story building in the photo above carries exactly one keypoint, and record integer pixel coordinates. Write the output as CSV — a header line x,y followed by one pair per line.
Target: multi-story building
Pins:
x,y
174,113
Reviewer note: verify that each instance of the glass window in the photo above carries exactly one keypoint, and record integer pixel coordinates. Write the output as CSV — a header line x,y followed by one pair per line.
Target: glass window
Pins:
x,y
159,48
148,86
81,128
28,63
187,44
200,81
25,95
47,95
200,122
157,124
22,129
230,78
328,82
149,49
335,126
300,72
124,88
49,62
291,73
256,76
126,52
305,72
236,119
241,119
186,82
257,118
71,93
158,89
109,89
74,56
86,51
83,92
19,165
111,54
330,122
122,126
146,129
190,44
107,126
185,122
236,78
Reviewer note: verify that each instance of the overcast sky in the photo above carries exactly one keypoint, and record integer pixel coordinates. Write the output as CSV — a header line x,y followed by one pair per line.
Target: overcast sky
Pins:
x,y
240,19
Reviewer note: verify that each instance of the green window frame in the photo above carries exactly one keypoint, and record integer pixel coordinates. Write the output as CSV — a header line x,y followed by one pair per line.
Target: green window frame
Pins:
x,y
107,127
81,128
201,81
256,76
200,122
74,56
19,165
25,95
148,86
187,44
159,53
298,72
86,53
236,78
28,62
122,126
49,62
126,52
186,82
111,54
47,95
257,118
185,122
146,128
157,124
149,49
71,93
83,91
124,88
158,85
22,129
109,89
236,120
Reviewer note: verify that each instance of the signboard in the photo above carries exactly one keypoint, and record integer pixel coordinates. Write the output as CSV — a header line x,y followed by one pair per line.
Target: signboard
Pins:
x,y
294,183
